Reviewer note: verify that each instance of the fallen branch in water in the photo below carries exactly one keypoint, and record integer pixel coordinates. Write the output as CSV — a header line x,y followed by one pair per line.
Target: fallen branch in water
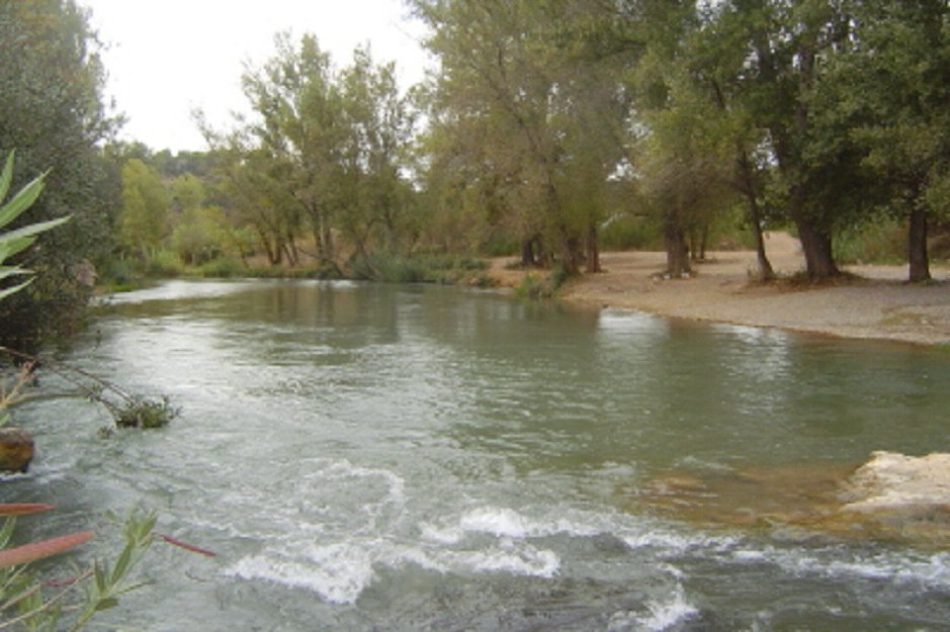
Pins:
x,y
184,545
127,410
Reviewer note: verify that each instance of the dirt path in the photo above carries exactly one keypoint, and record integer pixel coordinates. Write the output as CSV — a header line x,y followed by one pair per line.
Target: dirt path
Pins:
x,y
879,305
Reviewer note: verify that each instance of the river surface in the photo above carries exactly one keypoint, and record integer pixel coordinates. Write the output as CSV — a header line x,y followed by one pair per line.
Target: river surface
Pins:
x,y
370,457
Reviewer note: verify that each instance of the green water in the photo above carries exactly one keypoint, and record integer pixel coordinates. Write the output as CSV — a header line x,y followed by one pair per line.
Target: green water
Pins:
x,y
396,458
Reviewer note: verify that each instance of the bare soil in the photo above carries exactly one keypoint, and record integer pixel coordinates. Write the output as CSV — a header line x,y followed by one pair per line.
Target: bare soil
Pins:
x,y
874,301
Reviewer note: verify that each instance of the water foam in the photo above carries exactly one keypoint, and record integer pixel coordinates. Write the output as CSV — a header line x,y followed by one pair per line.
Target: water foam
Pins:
x,y
338,572
504,522
665,614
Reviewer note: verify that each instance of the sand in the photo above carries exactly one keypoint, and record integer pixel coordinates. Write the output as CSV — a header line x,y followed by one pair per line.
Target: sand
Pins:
x,y
877,305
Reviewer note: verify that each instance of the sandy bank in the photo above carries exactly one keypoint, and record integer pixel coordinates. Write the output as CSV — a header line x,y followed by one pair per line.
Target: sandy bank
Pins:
x,y
879,305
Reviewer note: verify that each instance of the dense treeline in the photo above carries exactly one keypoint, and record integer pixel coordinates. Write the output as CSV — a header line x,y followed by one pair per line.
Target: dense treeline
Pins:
x,y
549,127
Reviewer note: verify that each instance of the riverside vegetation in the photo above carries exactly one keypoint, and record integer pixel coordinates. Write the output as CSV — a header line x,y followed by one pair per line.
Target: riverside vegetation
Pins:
x,y
551,131
24,599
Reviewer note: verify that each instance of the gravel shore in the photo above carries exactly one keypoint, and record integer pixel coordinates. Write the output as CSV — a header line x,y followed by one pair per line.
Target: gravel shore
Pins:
x,y
878,304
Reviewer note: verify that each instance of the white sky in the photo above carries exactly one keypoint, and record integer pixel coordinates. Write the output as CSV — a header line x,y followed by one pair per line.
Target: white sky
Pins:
x,y
168,57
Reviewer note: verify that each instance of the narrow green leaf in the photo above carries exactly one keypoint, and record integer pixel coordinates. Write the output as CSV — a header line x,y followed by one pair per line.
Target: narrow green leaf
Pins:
x,y
100,575
105,604
136,586
7,532
122,564
10,247
9,271
23,200
36,229
6,176
13,290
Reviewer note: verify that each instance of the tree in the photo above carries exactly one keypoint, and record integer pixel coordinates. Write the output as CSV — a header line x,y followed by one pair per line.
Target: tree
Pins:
x,y
145,204
530,114
893,88
53,113
817,177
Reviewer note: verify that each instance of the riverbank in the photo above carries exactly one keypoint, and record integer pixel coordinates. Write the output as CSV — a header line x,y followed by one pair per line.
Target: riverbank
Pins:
x,y
877,304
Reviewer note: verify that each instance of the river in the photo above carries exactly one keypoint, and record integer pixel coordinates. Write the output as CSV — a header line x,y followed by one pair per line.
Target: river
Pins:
x,y
366,457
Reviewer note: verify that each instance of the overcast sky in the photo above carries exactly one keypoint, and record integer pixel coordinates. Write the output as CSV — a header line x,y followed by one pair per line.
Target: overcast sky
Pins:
x,y
167,57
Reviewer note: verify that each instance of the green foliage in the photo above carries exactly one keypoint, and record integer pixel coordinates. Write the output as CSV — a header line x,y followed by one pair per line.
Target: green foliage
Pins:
x,y
222,267
147,414
534,287
631,232
884,241
27,600
163,264
418,269
13,242
200,235
145,205
52,111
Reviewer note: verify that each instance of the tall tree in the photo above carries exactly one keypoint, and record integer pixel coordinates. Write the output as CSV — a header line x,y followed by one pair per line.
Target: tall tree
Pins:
x,y
789,46
145,204
53,113
892,89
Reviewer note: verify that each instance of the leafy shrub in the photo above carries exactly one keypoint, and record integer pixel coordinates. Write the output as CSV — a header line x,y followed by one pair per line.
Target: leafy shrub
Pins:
x,y
200,237
145,413
630,232
164,264
418,269
884,241
222,267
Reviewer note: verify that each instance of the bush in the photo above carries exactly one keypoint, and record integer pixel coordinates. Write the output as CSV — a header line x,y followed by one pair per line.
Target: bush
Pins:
x,y
146,414
629,232
164,264
883,241
418,269
222,268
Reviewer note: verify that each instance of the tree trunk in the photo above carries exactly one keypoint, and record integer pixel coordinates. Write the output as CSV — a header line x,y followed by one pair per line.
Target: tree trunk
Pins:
x,y
677,253
748,187
527,253
593,250
816,244
917,247
265,241
571,258
329,250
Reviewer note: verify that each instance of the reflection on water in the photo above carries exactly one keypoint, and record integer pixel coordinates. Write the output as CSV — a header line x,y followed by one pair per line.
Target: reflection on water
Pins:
x,y
369,457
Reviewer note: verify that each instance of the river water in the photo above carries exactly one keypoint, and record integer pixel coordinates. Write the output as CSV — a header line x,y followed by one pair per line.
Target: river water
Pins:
x,y
396,458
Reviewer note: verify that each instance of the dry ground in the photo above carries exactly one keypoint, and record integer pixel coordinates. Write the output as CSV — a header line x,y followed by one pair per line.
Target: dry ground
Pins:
x,y
877,305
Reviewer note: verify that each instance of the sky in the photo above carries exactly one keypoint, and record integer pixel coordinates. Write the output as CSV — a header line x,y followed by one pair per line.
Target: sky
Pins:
x,y
166,58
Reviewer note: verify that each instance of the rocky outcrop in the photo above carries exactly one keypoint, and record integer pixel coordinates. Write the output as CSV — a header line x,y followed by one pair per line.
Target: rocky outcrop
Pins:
x,y
892,496
908,494
16,450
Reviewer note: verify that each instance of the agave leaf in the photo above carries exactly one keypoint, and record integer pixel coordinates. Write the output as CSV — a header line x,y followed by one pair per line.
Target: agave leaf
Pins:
x,y
21,201
6,176
23,509
9,271
13,290
43,549
35,229
9,247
